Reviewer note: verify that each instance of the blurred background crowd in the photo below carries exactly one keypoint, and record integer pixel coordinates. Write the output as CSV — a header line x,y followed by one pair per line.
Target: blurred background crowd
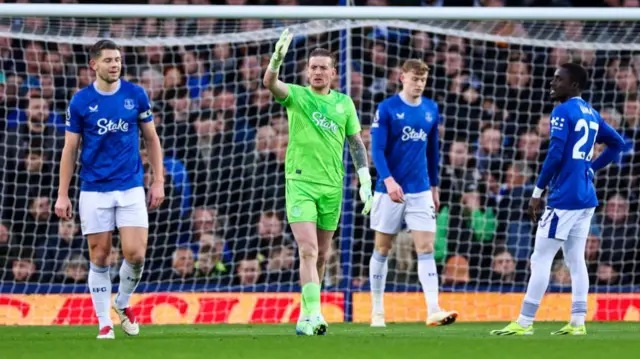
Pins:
x,y
225,141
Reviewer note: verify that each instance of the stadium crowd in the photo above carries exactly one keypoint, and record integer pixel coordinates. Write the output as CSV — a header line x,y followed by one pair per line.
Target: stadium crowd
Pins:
x,y
225,141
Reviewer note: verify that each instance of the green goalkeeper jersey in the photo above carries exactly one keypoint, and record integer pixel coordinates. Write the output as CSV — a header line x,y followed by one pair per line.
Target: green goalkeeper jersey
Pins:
x,y
318,126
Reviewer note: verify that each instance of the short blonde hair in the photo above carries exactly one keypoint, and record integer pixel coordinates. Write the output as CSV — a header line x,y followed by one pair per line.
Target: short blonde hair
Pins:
x,y
417,66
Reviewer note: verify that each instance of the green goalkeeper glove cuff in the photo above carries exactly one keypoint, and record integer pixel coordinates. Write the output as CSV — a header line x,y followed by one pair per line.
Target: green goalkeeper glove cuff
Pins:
x,y
280,51
365,189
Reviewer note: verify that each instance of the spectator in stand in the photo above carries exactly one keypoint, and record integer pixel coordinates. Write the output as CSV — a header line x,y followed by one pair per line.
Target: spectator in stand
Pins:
x,y
544,130
57,78
621,82
260,108
176,132
280,124
14,96
421,47
248,271
174,79
68,240
281,265
167,219
114,260
505,271
223,64
204,220
36,123
22,267
183,267
5,242
490,150
362,98
457,171
451,63
620,239
618,174
518,97
32,175
30,65
515,227
75,270
151,80
249,75
469,227
259,239
210,266
560,275
456,271
7,52
220,160
528,153
376,68
465,106
153,57
264,178
592,252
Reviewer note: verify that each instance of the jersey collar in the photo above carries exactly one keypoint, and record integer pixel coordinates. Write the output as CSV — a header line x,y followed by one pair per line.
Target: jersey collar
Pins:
x,y
409,103
104,93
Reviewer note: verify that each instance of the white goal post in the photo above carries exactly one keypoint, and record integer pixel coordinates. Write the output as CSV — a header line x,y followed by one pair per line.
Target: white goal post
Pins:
x,y
220,250
323,12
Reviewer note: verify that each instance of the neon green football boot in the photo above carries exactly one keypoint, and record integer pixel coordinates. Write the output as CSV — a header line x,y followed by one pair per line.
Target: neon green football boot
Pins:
x,y
570,330
305,327
320,326
513,329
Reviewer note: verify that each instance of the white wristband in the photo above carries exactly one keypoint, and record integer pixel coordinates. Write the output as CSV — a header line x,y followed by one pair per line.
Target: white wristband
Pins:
x,y
537,192
363,174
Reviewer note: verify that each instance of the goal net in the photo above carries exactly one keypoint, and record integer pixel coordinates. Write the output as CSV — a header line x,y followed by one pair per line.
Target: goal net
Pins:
x,y
220,249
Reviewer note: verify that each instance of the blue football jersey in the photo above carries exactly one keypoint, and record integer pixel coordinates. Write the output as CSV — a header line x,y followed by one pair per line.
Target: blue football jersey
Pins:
x,y
575,128
108,123
404,141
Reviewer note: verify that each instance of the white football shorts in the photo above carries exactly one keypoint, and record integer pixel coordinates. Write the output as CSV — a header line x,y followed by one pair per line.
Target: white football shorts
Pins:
x,y
418,212
103,211
562,223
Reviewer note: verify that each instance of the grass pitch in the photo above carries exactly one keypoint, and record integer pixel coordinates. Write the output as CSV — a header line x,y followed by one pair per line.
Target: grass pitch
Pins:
x,y
349,341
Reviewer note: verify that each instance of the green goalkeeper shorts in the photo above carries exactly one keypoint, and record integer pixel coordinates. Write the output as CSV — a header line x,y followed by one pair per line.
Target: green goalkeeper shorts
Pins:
x,y
312,202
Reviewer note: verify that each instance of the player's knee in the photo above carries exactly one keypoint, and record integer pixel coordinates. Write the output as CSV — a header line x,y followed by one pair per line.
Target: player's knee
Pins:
x,y
424,248
575,263
135,258
308,250
383,243
99,256
423,245
423,241
383,248
323,255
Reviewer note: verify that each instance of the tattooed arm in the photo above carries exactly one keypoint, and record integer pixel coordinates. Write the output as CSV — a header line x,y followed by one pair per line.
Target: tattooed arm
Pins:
x,y
359,156
358,152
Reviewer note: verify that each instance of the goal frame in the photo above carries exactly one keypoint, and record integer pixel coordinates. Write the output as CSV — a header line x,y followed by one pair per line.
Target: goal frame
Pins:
x,y
344,12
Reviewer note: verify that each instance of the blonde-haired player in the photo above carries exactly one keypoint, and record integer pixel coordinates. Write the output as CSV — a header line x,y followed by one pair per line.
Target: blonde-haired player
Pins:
x,y
404,129
320,120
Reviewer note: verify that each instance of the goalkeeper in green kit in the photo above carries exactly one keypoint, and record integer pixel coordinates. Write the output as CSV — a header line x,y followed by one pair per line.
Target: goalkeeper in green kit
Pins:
x,y
320,120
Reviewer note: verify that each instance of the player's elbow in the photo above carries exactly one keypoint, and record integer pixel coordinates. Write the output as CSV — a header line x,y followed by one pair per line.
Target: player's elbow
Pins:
x,y
618,145
267,80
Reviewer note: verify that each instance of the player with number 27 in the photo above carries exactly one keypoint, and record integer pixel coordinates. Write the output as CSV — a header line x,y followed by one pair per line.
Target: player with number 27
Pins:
x,y
571,203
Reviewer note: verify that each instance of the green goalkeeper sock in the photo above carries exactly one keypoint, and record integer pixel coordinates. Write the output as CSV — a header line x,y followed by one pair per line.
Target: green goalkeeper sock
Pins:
x,y
311,298
304,311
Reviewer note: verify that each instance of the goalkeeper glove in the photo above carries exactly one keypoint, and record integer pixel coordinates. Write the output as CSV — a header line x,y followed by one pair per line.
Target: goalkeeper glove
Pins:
x,y
365,189
281,50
